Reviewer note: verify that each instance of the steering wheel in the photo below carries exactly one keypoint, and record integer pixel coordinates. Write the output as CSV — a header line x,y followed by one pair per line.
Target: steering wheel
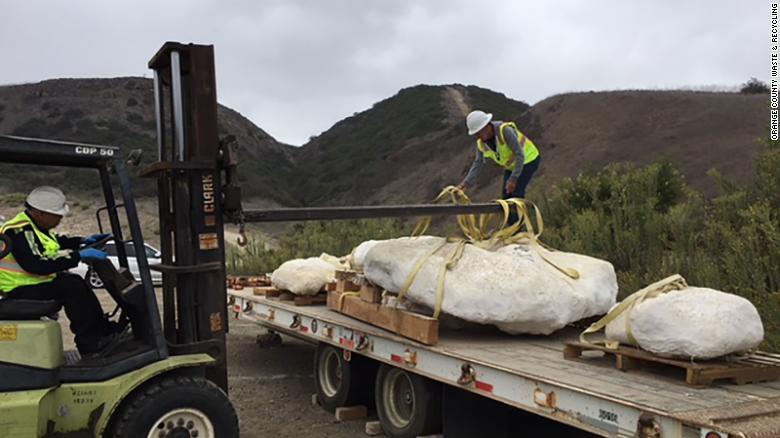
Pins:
x,y
5,245
98,243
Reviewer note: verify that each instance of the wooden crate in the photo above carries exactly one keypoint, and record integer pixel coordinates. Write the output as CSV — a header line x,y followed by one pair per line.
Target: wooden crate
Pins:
x,y
287,296
758,367
264,290
254,281
351,281
421,328
362,300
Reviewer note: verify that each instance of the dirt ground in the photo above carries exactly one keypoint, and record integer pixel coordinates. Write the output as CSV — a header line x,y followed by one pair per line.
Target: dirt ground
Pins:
x,y
271,388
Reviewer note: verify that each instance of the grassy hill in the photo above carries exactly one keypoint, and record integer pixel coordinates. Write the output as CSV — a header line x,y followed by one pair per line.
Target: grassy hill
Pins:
x,y
405,148
120,112
698,131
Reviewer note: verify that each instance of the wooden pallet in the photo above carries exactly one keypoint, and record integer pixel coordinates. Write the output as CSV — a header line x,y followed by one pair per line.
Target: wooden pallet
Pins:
x,y
758,367
273,293
264,290
352,295
351,281
239,283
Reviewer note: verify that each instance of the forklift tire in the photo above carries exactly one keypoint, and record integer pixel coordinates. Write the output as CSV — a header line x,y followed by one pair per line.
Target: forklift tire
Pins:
x,y
176,406
407,405
340,382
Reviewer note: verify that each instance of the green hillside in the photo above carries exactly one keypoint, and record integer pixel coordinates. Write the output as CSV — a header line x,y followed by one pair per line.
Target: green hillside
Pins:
x,y
384,153
120,112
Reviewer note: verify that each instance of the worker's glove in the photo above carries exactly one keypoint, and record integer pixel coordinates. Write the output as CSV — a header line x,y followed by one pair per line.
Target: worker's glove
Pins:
x,y
93,238
92,254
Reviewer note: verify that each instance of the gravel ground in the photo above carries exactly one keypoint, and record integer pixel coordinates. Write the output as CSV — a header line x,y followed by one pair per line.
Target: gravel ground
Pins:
x,y
271,388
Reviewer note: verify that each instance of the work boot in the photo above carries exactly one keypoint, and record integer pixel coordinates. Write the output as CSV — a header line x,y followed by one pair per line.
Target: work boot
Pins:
x,y
111,327
103,347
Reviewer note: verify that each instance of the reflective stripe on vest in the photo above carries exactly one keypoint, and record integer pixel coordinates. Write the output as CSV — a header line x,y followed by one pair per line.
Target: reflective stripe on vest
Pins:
x,y
12,275
504,156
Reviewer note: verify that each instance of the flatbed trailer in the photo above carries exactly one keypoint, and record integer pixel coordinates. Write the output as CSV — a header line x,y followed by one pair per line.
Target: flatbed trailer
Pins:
x,y
530,373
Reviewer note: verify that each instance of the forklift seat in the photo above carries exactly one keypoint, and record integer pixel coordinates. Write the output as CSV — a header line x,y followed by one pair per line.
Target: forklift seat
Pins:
x,y
20,309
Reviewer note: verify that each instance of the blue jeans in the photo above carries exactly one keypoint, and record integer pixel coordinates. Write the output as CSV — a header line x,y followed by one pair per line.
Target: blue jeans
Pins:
x,y
522,181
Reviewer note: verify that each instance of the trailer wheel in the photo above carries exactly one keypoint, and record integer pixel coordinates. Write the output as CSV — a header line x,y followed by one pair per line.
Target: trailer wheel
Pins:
x,y
176,407
408,405
340,382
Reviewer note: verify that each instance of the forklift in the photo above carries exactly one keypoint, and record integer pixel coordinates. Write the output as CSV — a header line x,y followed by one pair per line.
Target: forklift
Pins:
x,y
167,378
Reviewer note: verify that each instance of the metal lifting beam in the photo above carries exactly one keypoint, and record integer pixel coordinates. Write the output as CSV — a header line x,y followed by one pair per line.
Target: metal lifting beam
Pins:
x,y
372,211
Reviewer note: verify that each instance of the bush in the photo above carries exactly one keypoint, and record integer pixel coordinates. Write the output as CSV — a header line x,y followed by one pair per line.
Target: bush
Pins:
x,y
650,225
309,239
754,86
617,214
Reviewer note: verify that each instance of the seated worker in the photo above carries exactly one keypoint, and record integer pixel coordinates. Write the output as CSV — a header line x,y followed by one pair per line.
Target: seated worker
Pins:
x,y
36,268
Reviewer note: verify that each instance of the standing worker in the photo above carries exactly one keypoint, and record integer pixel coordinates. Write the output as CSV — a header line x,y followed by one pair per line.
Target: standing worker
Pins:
x,y
503,143
36,267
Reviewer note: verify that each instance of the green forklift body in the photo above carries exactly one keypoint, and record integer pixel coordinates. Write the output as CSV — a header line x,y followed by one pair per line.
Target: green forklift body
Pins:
x,y
79,409
35,344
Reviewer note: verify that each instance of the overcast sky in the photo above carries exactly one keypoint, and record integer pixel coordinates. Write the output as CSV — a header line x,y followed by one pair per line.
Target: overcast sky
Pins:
x,y
296,67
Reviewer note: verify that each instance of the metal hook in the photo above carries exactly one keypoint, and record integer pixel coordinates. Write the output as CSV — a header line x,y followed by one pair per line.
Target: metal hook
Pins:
x,y
467,374
241,239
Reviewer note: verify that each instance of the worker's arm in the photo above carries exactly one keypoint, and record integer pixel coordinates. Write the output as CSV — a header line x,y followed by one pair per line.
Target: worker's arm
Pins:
x,y
30,257
67,242
471,178
518,147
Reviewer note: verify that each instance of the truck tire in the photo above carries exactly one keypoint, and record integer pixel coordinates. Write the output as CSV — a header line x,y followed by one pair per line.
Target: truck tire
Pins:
x,y
340,382
408,405
174,407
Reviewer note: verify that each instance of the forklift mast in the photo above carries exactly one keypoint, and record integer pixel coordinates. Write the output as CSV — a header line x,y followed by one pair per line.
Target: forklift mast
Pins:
x,y
190,196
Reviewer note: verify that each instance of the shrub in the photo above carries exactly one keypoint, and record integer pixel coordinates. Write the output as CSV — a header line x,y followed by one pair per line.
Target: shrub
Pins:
x,y
650,225
754,86
309,239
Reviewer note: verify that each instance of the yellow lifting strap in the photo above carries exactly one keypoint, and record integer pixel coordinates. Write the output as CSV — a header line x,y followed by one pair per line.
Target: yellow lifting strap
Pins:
x,y
340,302
668,284
484,232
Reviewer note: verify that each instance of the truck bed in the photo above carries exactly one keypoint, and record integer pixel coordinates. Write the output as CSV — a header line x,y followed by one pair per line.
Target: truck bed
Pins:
x,y
522,371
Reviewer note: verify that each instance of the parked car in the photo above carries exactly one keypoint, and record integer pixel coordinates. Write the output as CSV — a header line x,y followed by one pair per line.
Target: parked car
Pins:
x,y
152,255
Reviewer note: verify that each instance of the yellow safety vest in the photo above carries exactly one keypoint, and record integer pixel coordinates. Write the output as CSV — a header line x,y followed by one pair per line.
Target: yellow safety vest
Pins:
x,y
11,274
506,156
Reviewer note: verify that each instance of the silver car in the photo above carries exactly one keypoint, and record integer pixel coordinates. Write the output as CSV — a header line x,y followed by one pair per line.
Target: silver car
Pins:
x,y
152,255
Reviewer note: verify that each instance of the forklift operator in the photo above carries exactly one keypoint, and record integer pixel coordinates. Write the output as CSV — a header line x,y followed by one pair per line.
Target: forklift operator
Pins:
x,y
36,268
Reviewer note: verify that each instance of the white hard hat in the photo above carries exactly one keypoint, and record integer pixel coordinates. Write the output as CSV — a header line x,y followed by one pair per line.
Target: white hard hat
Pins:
x,y
48,199
476,120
